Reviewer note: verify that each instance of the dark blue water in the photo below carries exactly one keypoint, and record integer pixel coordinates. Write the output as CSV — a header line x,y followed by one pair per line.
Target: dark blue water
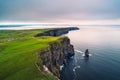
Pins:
x,y
104,45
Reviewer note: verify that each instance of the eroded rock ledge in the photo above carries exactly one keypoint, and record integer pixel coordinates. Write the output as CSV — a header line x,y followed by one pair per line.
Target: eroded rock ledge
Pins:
x,y
56,55
57,31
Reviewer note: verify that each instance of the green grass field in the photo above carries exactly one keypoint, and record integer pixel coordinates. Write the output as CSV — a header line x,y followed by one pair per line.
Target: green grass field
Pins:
x,y
18,54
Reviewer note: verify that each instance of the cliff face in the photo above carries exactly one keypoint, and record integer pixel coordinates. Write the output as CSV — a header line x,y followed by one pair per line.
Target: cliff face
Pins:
x,y
56,54
57,32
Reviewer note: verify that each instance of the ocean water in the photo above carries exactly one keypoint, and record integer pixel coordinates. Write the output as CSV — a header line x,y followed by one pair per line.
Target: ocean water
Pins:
x,y
103,43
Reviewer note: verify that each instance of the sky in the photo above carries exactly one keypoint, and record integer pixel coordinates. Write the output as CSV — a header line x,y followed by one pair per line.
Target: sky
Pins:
x,y
60,11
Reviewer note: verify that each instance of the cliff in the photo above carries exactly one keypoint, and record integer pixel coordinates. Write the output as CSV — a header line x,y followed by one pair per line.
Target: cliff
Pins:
x,y
55,55
29,57
57,31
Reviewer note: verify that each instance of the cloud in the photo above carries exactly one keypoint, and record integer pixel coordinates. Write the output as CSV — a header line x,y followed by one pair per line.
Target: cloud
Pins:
x,y
58,10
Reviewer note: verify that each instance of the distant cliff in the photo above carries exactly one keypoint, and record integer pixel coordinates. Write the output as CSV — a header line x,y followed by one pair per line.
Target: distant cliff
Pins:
x,y
57,31
56,55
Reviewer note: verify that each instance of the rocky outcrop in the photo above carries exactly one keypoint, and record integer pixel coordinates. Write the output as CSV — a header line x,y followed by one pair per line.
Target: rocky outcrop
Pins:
x,y
56,54
57,31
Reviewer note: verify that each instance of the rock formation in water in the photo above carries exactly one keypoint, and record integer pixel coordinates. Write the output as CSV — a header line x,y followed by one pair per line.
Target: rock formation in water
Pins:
x,y
87,53
57,31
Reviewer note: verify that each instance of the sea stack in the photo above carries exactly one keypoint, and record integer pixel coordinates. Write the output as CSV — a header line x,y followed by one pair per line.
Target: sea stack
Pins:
x,y
86,53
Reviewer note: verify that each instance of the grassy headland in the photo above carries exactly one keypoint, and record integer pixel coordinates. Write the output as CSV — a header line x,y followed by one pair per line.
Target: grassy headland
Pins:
x,y
18,54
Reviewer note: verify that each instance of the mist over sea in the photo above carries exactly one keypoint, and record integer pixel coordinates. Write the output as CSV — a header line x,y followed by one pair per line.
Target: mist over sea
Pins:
x,y
33,26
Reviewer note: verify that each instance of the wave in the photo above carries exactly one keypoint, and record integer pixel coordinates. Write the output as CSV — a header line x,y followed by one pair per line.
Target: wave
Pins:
x,y
61,67
82,52
76,68
79,51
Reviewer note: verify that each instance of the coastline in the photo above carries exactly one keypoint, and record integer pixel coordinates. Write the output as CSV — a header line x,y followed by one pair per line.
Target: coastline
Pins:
x,y
22,42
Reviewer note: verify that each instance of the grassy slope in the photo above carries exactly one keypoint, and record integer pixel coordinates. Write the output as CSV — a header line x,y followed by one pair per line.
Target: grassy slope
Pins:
x,y
18,54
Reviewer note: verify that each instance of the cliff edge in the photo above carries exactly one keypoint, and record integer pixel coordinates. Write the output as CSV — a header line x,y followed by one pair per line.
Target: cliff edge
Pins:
x,y
56,54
